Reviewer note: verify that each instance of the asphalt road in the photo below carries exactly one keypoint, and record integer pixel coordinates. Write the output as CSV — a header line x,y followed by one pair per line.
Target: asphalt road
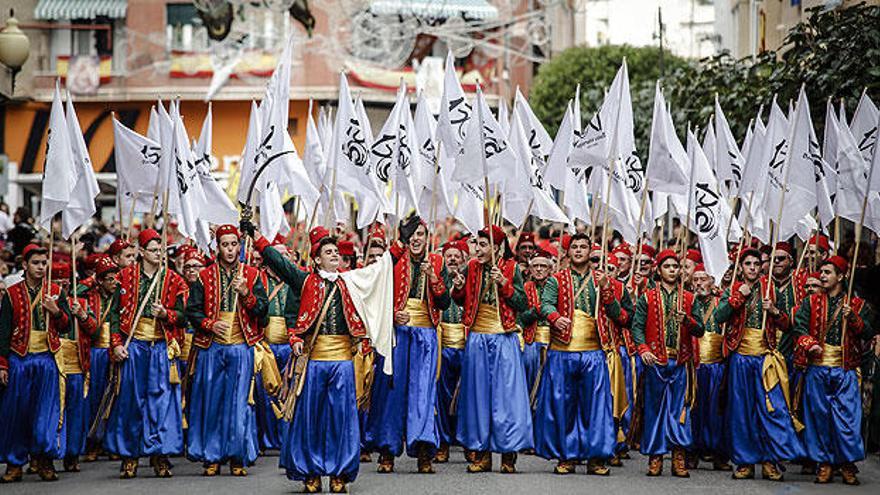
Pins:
x,y
535,477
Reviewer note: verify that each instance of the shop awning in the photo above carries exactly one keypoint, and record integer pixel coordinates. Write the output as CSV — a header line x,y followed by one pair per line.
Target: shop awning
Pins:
x,y
436,9
50,10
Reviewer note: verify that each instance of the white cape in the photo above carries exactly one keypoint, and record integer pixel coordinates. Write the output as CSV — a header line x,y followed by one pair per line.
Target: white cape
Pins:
x,y
372,292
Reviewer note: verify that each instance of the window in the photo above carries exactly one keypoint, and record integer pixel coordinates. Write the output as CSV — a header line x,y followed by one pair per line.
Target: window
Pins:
x,y
184,29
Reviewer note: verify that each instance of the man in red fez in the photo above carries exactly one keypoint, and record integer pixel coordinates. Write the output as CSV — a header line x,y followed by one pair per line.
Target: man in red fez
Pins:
x,y
643,278
624,254
122,253
818,249
349,257
525,247
789,293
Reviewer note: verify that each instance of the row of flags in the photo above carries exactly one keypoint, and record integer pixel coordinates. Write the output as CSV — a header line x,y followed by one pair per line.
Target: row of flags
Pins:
x,y
780,179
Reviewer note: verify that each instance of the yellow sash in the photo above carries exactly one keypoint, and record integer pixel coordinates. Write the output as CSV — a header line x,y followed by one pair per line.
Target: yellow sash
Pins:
x,y
452,335
710,348
233,335
542,334
363,377
418,313
70,350
752,343
148,331
831,357
187,346
38,341
584,335
103,341
276,330
332,348
488,320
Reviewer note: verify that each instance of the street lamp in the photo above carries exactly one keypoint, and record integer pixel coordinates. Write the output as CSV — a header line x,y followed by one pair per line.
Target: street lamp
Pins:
x,y
14,46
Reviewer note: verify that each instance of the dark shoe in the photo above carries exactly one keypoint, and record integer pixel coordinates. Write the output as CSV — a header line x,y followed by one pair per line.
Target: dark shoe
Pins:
x,y
442,455
211,470
129,469
769,471
13,474
808,468
46,471
848,474
679,463
824,474
482,462
237,468
312,485
71,464
92,454
425,466
719,463
366,457
386,464
470,455
693,460
615,461
744,472
655,465
337,485
597,468
565,467
508,462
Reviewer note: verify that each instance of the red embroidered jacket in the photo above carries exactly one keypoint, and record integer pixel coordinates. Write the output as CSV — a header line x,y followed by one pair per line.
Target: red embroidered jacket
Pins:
x,y
814,331
534,303
173,287
314,291
468,297
204,306
86,330
609,299
15,324
732,310
649,328
403,280
93,300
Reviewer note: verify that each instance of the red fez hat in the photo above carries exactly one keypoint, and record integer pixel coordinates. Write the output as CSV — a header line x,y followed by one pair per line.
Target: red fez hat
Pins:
x,y
649,251
227,229
498,235
749,252
32,249
91,261
665,255
694,255
316,235
814,275
60,271
547,250
622,249
595,247
104,266
376,232
526,237
839,262
117,246
195,255
346,248
613,260
460,245
820,241
784,246
566,241
700,268
146,236
184,250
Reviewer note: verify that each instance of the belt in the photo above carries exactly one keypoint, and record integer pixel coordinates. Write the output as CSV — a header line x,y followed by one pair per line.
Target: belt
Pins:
x,y
233,335
452,335
276,330
542,334
752,343
488,320
331,348
103,340
418,313
187,346
38,341
710,348
832,357
70,350
146,330
584,335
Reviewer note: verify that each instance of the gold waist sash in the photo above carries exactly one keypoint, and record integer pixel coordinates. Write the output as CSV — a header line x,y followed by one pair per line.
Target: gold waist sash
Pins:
x,y
187,346
38,341
146,329
542,334
832,357
452,335
584,335
276,331
331,348
752,343
233,335
488,320
710,348
70,351
103,340
418,313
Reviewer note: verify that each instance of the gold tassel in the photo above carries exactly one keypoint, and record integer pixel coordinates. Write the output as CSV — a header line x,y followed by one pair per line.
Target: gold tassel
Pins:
x,y
251,401
62,385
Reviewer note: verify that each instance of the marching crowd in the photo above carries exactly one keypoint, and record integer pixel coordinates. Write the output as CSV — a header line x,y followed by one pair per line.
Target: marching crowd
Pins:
x,y
507,343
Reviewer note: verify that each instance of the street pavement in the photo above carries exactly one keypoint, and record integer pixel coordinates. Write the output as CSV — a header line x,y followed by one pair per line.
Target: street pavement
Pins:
x,y
535,477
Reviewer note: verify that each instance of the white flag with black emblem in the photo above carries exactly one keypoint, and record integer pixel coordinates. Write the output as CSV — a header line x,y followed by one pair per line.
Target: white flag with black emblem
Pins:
x,y
395,154
485,152
137,168
728,159
60,165
82,199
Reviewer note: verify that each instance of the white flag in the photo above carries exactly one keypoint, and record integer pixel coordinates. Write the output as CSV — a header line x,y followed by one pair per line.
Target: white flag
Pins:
x,y
455,111
485,152
504,117
82,199
137,168
538,139
783,195
272,219
153,125
185,185
217,209
314,160
864,126
249,157
667,160
729,161
436,193
166,160
560,152
395,154
710,142
60,166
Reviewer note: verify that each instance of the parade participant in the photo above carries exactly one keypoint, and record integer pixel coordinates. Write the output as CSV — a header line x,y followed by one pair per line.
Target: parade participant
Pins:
x,y
830,336
812,283
32,319
75,347
100,300
582,391
364,362
818,248
122,253
708,418
375,250
323,438
192,267
624,254
759,422
493,404
536,330
665,322
692,258
402,405
280,321
525,247
348,259
146,417
452,340
789,293
643,276
225,307
765,251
